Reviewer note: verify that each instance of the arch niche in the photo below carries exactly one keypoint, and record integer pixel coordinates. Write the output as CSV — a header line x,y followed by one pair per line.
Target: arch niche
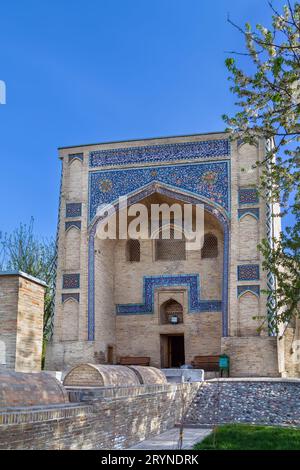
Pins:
x,y
184,197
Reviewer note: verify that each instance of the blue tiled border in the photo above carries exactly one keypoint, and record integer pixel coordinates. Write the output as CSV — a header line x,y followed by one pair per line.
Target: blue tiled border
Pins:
x,y
160,153
150,283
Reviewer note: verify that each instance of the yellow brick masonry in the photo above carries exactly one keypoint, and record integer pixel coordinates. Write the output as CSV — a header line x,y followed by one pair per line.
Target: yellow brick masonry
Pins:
x,y
21,322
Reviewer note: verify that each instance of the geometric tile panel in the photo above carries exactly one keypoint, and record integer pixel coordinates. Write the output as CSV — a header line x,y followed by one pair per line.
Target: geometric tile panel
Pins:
x,y
71,281
206,179
150,283
75,156
249,288
160,153
248,272
248,196
74,296
73,209
73,223
250,210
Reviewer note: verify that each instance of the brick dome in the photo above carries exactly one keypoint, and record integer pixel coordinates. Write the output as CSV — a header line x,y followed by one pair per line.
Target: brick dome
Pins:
x,y
149,375
100,375
18,389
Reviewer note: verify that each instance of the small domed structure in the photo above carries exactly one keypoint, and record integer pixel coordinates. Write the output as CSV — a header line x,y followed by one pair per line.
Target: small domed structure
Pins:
x,y
18,389
100,375
149,375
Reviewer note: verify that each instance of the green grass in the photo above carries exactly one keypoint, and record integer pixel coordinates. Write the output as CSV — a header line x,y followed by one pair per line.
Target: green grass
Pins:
x,y
250,437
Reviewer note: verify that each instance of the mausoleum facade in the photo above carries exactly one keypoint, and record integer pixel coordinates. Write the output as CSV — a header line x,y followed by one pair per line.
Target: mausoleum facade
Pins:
x,y
151,297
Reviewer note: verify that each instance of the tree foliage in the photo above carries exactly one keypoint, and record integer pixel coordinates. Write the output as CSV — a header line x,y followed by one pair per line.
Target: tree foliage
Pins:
x,y
23,251
268,98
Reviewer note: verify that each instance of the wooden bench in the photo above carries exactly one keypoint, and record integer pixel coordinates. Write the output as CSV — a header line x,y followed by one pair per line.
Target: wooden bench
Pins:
x,y
134,361
208,363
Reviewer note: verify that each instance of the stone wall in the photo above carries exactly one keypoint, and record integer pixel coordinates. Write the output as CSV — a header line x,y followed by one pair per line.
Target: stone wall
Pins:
x,y
21,321
253,401
111,418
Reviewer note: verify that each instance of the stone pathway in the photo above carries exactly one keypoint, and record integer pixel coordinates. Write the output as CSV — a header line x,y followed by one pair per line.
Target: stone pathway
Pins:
x,y
168,440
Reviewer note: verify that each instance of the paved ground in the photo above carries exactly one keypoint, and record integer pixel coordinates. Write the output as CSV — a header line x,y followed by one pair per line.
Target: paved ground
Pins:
x,y
169,440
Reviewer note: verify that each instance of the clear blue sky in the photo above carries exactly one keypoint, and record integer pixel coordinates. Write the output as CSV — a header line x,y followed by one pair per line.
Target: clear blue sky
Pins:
x,y
91,71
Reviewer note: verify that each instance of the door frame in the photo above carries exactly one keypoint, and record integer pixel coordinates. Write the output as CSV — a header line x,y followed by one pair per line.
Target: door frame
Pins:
x,y
165,349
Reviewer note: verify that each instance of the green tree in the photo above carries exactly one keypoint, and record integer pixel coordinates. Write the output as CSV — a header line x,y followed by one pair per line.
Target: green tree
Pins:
x,y
268,101
23,251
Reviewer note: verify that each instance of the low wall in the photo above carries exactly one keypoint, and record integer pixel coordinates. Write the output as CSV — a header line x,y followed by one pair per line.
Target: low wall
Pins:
x,y
255,401
107,418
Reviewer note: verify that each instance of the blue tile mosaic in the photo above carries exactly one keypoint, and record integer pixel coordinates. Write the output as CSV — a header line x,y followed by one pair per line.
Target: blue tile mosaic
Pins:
x,y
255,289
254,211
248,272
74,296
248,196
150,283
73,223
71,281
160,153
73,209
209,180
75,156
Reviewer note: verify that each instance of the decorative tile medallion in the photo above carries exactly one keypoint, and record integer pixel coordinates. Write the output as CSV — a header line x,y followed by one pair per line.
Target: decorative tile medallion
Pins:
x,y
71,281
255,289
209,180
74,296
75,156
73,223
150,283
73,209
248,196
248,272
160,153
105,186
254,211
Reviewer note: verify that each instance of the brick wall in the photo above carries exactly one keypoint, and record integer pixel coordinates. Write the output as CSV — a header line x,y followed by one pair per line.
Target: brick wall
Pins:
x,y
21,322
111,418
